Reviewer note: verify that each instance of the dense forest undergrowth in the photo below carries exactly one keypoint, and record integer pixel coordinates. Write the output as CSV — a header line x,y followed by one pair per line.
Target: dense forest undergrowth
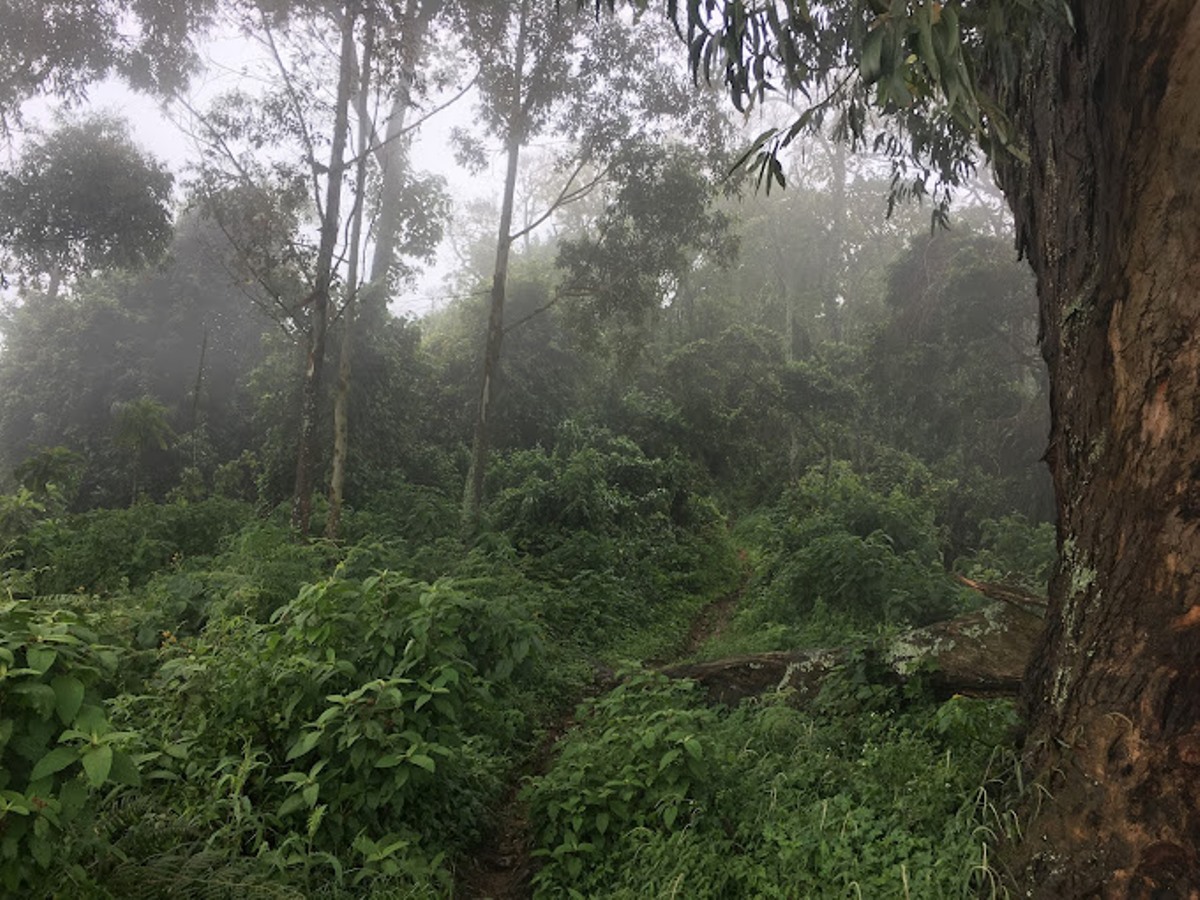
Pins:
x,y
198,702
181,720
720,426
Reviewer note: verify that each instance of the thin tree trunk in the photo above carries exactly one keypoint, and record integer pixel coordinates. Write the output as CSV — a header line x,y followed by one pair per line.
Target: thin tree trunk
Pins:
x,y
832,279
319,298
1109,213
392,157
196,400
55,281
341,426
473,503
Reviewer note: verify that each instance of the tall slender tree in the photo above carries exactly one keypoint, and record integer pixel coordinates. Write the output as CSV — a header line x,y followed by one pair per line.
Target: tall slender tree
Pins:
x,y
319,298
326,179
341,434
597,84
396,232
523,59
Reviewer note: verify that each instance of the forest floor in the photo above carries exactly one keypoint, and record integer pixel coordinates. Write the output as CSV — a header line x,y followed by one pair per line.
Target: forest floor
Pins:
x,y
503,865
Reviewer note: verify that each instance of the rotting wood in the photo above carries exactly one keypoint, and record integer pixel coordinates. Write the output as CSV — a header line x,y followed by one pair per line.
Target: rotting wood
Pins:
x,y
981,654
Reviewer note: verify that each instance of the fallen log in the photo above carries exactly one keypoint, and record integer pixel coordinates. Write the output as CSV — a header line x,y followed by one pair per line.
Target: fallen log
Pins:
x,y
981,654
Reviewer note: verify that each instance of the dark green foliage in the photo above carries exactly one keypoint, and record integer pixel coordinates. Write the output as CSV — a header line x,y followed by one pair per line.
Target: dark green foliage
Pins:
x,y
257,571
730,397
627,541
59,46
84,198
106,549
956,373
364,720
72,365
660,218
58,749
50,472
1014,550
839,549
875,793
638,761
539,384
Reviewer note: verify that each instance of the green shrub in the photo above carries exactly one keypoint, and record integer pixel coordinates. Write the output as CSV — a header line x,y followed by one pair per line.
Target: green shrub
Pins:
x,y
838,557
628,546
366,709
1015,551
57,747
107,549
640,759
592,480
872,793
411,512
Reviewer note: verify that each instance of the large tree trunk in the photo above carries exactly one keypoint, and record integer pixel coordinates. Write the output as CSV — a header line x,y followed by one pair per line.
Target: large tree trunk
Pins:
x,y
473,500
341,401
319,298
1109,214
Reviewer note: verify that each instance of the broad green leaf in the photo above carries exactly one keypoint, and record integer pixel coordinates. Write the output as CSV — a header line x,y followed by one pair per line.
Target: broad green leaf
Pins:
x,y
72,795
291,804
54,761
310,792
124,770
39,696
40,659
97,763
425,762
91,719
42,850
68,697
304,744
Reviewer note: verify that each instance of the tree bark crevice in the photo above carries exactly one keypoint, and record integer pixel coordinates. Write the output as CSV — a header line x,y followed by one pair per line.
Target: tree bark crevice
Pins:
x,y
1108,212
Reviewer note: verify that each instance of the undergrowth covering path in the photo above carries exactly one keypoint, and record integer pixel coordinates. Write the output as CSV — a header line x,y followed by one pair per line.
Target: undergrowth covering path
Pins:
x,y
503,865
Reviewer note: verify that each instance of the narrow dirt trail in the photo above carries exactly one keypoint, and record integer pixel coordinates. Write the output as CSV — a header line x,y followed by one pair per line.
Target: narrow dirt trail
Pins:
x,y
503,866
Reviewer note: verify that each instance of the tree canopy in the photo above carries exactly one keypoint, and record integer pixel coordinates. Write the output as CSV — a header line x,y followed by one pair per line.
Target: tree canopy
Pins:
x,y
82,198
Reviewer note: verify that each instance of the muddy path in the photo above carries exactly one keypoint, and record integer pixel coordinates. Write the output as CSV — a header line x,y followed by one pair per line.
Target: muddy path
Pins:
x,y
503,865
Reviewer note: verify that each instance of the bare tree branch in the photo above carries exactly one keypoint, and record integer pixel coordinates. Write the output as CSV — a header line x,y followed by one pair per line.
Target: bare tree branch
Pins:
x,y
565,197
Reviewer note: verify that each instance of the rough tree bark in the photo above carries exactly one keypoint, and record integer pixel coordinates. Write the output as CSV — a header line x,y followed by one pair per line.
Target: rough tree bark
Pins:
x,y
1108,212
318,300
